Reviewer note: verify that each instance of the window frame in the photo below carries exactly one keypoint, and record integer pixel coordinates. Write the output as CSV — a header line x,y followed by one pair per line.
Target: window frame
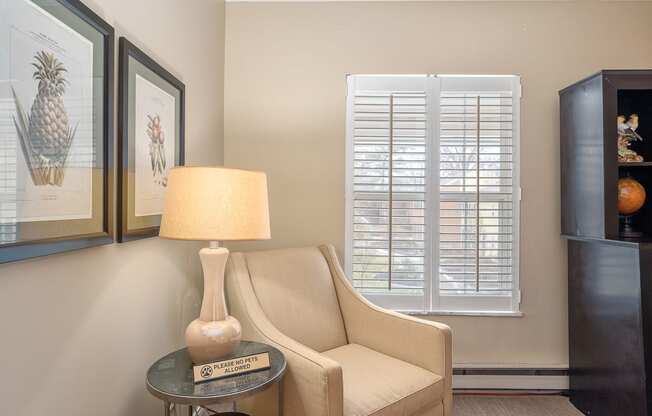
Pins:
x,y
432,302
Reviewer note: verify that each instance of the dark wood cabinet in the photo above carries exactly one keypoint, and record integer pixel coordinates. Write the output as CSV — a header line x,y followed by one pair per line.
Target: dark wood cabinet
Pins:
x,y
609,272
589,150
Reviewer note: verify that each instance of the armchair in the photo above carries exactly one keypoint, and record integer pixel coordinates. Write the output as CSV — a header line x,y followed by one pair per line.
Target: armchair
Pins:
x,y
346,356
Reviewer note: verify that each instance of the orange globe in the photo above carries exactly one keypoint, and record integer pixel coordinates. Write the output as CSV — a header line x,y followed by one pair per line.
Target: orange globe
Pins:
x,y
631,196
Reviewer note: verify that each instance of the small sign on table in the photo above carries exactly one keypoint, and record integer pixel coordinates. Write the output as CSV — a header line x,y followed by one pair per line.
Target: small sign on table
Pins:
x,y
231,367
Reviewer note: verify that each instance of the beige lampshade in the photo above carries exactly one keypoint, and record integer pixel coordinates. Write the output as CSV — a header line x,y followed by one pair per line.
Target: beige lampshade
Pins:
x,y
213,203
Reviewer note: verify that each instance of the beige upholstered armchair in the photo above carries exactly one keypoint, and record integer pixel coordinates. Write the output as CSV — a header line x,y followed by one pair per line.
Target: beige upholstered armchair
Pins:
x,y
346,356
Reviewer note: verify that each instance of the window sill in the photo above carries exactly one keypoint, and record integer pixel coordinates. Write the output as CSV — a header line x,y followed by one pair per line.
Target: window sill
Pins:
x,y
499,314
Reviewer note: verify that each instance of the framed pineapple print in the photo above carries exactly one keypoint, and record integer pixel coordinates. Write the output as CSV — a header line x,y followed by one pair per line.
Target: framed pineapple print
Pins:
x,y
56,101
150,142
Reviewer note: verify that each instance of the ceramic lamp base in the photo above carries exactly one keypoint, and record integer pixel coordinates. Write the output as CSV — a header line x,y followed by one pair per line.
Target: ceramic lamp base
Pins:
x,y
210,340
214,334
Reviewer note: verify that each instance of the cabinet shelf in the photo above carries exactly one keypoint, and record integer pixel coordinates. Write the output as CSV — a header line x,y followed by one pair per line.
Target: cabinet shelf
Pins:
x,y
633,164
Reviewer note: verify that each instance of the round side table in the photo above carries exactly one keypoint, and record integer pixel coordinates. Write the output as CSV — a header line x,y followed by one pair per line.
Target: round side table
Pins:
x,y
170,379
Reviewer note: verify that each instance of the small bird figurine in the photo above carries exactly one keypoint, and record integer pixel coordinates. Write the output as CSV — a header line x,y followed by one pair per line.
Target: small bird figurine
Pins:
x,y
633,121
633,125
628,129
627,134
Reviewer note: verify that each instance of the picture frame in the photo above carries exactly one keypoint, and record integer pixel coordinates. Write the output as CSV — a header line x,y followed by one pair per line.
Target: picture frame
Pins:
x,y
56,139
151,140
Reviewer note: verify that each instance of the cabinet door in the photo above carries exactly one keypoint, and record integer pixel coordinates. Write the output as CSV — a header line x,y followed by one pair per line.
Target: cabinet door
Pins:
x,y
607,366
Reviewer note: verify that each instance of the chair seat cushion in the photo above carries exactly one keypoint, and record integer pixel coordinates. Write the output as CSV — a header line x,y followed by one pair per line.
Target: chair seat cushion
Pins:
x,y
379,385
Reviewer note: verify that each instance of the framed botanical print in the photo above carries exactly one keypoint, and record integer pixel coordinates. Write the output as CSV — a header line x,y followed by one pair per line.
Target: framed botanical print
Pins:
x,y
150,142
56,101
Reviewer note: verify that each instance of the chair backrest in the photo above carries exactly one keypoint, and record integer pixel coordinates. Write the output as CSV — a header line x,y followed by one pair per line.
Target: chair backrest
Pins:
x,y
295,290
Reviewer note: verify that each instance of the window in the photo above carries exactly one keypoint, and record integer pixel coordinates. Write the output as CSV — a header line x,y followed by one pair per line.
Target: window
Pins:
x,y
432,191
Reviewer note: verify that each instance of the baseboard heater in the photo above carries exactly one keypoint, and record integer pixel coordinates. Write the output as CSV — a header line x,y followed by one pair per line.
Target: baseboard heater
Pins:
x,y
554,379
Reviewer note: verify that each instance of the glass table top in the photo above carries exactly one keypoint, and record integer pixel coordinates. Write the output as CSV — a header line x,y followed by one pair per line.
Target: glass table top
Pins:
x,y
170,378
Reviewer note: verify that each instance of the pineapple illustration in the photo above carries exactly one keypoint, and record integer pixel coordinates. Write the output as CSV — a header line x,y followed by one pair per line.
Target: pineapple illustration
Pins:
x,y
45,135
157,150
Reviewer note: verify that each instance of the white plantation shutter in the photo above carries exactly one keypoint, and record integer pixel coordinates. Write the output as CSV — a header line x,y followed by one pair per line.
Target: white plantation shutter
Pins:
x,y
387,168
432,191
478,202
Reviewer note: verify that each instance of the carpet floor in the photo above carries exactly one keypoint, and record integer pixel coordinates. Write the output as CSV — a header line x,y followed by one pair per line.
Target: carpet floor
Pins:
x,y
513,406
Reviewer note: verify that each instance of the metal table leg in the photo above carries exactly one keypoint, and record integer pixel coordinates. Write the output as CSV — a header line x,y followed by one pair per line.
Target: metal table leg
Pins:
x,y
280,398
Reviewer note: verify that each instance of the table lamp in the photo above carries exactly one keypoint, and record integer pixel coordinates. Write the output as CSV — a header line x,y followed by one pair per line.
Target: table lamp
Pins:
x,y
214,204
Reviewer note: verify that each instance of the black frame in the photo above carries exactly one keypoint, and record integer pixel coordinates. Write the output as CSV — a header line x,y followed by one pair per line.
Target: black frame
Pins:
x,y
127,49
44,247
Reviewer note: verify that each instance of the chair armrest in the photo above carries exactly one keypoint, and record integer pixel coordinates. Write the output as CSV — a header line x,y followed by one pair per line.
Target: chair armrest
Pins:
x,y
423,343
312,385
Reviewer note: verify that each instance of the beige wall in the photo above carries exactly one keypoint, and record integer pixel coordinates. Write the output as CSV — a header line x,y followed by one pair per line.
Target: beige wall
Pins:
x,y
285,103
79,330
